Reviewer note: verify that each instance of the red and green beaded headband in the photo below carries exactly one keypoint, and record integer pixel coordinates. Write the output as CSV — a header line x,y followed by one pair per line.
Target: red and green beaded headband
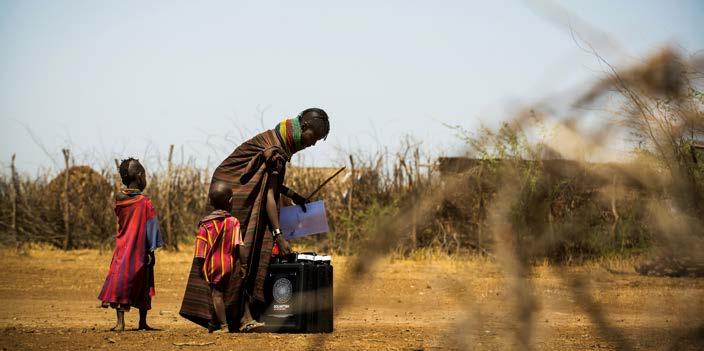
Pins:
x,y
290,131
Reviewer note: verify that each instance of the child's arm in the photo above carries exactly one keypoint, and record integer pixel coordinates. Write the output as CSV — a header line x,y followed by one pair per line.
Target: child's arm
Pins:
x,y
151,259
154,239
199,264
243,257
201,250
239,251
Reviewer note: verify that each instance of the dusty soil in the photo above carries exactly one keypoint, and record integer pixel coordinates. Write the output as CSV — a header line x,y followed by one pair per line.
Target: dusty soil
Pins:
x,y
49,302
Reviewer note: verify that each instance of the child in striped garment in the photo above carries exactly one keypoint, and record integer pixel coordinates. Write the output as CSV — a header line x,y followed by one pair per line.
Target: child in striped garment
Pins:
x,y
217,244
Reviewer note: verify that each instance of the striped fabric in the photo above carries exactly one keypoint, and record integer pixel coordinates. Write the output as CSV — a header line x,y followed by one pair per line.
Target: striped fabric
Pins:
x,y
248,207
216,241
197,305
130,281
248,202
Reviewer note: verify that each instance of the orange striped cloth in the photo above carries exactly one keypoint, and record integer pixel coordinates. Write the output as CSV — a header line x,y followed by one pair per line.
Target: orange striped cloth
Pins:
x,y
218,237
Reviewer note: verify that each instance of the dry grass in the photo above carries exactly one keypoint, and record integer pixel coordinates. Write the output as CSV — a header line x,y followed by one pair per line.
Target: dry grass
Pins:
x,y
402,304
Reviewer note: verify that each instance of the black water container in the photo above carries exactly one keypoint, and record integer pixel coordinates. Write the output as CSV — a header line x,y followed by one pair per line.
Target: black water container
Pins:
x,y
298,290
324,304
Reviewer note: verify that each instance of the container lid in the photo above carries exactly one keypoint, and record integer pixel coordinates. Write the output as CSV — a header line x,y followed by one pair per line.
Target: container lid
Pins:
x,y
305,257
313,257
323,258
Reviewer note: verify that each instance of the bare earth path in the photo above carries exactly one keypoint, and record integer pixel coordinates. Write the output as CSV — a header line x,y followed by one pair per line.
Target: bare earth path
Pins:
x,y
49,302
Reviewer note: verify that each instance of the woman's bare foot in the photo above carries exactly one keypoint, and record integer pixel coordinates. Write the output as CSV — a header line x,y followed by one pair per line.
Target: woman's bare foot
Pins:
x,y
246,315
248,323
251,325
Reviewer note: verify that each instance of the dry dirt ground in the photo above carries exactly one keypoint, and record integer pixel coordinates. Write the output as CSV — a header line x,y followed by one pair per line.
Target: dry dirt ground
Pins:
x,y
49,302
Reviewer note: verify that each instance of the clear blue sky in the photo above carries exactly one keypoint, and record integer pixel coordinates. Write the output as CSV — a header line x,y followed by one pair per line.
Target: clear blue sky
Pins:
x,y
114,79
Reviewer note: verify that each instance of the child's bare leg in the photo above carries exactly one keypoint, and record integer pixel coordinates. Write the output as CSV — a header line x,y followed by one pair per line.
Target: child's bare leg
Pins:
x,y
120,326
143,320
219,304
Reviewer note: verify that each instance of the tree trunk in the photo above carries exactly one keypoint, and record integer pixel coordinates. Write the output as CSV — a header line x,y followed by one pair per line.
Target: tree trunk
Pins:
x,y
415,193
349,205
614,226
480,214
14,198
170,237
67,210
416,159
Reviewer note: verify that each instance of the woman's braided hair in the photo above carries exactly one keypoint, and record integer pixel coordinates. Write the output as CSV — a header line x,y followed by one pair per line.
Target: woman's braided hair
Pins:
x,y
318,119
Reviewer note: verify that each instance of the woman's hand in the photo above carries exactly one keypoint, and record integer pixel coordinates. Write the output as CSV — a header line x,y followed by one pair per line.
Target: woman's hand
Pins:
x,y
295,197
284,246
300,201
275,161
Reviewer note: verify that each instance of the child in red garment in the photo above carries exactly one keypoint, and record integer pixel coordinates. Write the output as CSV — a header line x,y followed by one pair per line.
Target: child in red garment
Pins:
x,y
217,244
130,280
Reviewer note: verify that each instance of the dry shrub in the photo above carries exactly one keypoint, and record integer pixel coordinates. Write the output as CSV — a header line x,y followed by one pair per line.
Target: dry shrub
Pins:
x,y
89,207
534,209
187,197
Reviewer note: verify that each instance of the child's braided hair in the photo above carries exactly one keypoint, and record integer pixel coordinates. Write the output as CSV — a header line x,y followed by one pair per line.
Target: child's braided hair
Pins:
x,y
124,168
